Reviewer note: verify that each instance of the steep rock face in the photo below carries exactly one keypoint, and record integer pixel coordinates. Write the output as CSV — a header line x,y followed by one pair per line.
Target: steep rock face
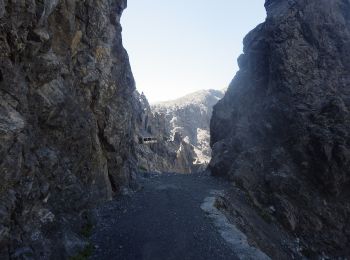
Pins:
x,y
190,116
65,121
282,129
169,152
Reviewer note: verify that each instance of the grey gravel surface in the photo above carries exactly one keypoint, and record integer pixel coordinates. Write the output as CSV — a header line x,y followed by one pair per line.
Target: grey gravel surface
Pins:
x,y
162,221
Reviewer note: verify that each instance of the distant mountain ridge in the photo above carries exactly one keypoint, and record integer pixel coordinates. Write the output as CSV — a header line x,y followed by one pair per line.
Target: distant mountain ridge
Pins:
x,y
206,97
190,115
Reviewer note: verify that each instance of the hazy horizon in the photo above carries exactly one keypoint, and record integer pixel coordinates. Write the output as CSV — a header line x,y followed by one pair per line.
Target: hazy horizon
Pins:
x,y
179,47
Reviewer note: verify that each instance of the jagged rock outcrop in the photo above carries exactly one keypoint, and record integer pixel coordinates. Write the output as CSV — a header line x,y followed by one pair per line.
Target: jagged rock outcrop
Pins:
x,y
190,116
169,152
65,121
282,131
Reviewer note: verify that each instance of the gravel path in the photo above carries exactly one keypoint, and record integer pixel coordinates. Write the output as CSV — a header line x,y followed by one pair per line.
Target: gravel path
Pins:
x,y
162,221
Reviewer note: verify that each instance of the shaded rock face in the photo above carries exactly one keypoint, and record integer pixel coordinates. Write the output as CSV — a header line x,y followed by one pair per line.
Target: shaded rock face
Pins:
x,y
65,121
170,152
190,116
282,129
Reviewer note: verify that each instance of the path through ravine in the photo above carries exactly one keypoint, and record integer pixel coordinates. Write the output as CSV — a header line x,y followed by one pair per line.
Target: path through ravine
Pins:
x,y
168,219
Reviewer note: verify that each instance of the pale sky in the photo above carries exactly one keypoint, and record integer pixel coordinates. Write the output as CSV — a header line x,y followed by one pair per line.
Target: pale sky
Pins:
x,y
180,46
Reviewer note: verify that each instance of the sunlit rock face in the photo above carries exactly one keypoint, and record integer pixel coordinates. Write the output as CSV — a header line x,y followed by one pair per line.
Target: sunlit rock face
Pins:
x,y
190,116
169,152
65,121
282,131
182,129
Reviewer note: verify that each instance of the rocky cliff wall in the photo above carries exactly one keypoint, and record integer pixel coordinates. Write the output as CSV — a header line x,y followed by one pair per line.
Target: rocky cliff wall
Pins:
x,y
190,116
170,153
65,121
282,131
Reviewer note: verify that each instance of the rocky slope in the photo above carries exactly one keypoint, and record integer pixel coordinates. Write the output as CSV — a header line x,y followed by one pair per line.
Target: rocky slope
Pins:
x,y
190,116
65,121
282,131
169,152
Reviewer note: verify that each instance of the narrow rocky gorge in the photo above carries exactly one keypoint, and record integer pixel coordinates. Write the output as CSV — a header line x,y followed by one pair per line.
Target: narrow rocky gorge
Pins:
x,y
81,149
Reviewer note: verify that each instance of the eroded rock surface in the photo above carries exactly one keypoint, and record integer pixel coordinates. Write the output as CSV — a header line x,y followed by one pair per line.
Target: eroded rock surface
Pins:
x,y
65,121
169,152
190,116
282,131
